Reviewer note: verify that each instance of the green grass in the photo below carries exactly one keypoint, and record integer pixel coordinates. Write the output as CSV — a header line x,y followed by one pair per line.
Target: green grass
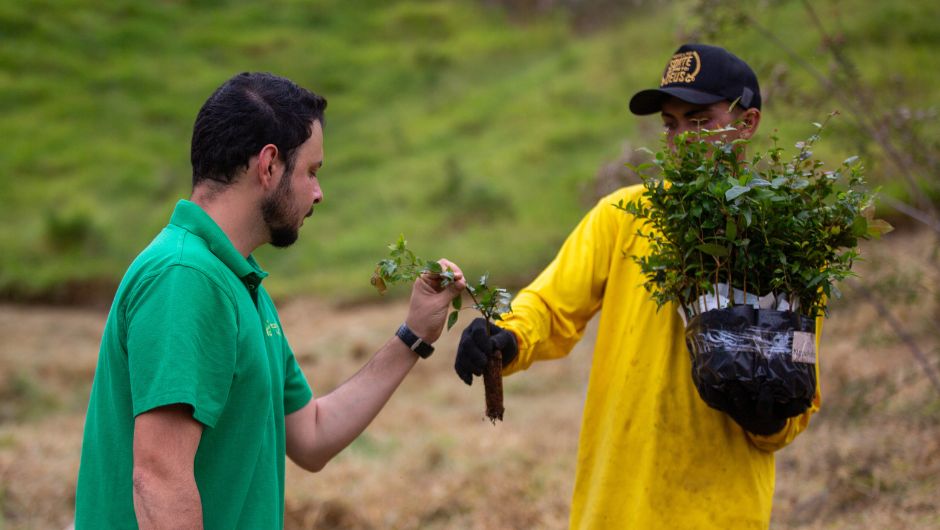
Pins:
x,y
98,103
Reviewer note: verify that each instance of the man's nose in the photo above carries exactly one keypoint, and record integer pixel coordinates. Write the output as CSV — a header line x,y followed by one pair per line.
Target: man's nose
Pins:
x,y
317,192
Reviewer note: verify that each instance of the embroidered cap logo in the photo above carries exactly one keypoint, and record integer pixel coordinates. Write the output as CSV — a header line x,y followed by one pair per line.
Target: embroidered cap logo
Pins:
x,y
682,68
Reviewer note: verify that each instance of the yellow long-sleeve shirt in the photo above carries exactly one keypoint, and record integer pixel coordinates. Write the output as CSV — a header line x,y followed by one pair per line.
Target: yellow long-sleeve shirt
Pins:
x,y
651,453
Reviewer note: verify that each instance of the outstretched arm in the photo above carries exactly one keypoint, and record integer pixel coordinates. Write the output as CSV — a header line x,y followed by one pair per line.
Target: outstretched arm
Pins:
x,y
325,426
550,315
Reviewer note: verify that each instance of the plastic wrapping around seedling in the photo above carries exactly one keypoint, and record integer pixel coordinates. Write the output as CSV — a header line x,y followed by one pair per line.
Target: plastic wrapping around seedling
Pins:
x,y
757,365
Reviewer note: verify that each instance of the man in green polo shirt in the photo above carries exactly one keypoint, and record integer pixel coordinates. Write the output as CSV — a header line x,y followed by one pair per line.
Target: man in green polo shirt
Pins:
x,y
197,396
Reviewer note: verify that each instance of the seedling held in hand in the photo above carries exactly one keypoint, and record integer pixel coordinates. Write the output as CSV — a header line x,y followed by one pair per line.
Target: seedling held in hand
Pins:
x,y
402,265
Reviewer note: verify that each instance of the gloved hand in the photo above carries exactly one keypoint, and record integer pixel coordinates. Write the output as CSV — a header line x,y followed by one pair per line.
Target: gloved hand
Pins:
x,y
756,413
475,348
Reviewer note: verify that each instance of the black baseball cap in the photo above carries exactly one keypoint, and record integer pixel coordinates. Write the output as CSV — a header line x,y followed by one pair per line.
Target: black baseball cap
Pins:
x,y
701,74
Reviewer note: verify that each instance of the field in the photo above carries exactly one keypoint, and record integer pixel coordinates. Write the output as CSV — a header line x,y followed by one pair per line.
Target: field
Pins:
x,y
482,130
870,460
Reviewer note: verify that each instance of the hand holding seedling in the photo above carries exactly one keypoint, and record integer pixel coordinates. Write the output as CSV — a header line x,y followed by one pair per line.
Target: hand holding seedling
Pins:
x,y
403,265
431,297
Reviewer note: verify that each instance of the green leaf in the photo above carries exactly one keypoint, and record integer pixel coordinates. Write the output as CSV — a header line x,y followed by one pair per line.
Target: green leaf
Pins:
x,y
818,278
452,319
735,192
639,169
712,249
457,302
388,268
731,230
759,182
878,228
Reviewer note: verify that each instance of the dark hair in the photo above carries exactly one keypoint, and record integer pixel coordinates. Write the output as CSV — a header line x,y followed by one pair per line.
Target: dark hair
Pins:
x,y
243,115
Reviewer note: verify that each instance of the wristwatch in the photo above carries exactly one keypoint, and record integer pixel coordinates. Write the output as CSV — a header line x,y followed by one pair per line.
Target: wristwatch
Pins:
x,y
414,342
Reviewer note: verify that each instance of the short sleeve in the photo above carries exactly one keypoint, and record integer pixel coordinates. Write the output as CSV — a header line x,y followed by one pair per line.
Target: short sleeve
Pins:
x,y
182,334
297,392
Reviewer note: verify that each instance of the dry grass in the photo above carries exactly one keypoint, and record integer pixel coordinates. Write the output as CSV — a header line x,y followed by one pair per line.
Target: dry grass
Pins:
x,y
871,459
431,460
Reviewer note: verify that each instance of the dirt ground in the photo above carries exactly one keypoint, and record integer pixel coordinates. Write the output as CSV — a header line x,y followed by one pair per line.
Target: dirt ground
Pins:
x,y
870,460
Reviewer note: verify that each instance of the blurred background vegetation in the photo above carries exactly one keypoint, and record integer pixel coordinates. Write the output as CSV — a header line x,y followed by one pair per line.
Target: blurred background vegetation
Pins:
x,y
482,130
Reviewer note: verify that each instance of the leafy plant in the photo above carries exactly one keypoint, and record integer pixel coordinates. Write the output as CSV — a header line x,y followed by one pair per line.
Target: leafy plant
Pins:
x,y
768,225
402,265
896,135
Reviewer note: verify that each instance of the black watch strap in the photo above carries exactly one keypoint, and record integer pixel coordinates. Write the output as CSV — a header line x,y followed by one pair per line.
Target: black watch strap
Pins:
x,y
416,343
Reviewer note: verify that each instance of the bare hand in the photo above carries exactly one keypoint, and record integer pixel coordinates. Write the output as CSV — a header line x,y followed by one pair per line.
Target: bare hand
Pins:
x,y
430,301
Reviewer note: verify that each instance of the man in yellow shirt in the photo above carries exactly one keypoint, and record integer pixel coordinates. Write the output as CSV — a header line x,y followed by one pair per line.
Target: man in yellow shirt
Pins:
x,y
651,453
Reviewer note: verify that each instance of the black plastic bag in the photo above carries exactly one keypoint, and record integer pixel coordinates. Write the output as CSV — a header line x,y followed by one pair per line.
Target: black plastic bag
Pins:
x,y
756,365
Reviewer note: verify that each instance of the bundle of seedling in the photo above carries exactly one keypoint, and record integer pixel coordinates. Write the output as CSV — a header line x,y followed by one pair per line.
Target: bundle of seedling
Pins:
x,y
402,265
750,251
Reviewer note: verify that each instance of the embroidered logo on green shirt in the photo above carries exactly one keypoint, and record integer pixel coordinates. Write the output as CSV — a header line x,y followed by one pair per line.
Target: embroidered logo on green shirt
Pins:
x,y
272,328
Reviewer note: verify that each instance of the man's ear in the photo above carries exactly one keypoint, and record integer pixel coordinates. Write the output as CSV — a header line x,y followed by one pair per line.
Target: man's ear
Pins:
x,y
267,166
750,120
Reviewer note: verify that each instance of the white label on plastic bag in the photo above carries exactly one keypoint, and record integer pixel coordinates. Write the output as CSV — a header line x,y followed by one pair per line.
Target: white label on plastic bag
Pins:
x,y
804,347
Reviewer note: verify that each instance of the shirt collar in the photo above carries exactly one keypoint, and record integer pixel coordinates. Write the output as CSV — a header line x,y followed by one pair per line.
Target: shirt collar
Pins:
x,y
192,218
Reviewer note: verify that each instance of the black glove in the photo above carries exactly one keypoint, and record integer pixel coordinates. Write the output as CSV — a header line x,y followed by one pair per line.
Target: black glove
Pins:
x,y
475,348
756,413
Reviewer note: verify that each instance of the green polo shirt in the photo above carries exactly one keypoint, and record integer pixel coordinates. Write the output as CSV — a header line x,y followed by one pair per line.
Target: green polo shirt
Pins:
x,y
191,323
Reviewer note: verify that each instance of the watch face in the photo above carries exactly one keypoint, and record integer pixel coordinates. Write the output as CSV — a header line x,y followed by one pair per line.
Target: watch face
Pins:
x,y
423,349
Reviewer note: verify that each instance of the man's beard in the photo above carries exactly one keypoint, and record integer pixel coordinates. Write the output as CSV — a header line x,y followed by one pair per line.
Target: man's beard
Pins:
x,y
276,212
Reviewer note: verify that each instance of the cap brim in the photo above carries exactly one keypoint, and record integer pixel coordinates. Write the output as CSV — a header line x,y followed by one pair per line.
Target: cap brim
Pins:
x,y
651,101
